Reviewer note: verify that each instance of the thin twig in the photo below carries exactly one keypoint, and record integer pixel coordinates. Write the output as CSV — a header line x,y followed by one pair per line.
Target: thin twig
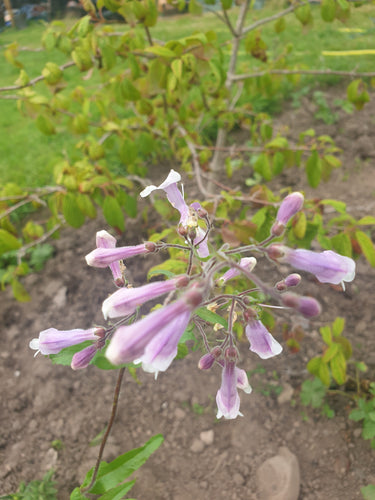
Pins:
x,y
228,23
148,34
108,430
21,252
35,80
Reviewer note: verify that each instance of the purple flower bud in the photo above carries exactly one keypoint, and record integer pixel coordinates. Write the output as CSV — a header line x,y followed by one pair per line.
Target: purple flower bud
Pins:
x,y
209,359
227,398
292,280
328,266
247,263
308,306
243,381
126,300
288,208
51,341
129,342
103,257
261,341
82,358
105,240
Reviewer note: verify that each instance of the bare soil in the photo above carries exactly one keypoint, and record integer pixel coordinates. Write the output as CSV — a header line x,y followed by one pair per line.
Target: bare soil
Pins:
x,y
41,403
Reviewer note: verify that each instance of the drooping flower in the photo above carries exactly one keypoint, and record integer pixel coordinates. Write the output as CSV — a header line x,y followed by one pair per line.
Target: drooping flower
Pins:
x,y
126,300
288,208
227,398
247,263
328,266
188,220
52,341
162,349
261,341
129,342
106,240
103,257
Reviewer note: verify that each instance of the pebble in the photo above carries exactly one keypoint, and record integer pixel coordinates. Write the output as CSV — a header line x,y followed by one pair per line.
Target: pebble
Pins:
x,y
286,395
179,413
59,300
238,479
207,437
197,446
278,477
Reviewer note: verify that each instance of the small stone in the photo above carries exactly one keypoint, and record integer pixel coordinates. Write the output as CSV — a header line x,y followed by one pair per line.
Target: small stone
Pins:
x,y
238,479
179,413
197,446
207,437
49,460
279,477
59,300
286,395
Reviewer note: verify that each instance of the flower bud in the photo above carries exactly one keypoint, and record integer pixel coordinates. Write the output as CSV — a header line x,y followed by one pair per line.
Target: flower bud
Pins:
x,y
289,207
307,306
292,280
209,359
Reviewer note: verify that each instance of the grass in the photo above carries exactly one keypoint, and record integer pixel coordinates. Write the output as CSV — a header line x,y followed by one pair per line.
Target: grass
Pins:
x,y
27,156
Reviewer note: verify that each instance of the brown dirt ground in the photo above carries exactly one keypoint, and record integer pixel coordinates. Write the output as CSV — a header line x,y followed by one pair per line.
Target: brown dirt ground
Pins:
x,y
41,402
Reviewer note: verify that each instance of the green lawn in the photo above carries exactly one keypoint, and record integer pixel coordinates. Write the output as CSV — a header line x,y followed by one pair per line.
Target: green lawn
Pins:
x,y
27,156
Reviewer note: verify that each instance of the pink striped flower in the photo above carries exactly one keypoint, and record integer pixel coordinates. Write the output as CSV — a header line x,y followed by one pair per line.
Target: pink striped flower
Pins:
x,y
52,341
247,263
103,257
81,359
261,341
106,240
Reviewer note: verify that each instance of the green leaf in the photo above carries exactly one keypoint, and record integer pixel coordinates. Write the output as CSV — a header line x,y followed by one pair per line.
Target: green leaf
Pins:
x,y
72,214
86,206
330,353
367,220
357,415
328,10
113,214
8,242
338,367
339,206
367,246
129,91
169,268
211,317
77,495
195,8
314,169
64,357
130,204
263,167
20,292
326,334
313,393
45,125
342,244
118,492
338,326
368,429
368,492
278,142
110,474
161,51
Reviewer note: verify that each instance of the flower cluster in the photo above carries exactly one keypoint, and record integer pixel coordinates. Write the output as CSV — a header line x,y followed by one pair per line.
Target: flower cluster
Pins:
x,y
152,340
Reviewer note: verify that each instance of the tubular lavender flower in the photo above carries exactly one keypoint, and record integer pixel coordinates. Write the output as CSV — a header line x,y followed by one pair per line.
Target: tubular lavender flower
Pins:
x,y
328,266
103,257
247,263
129,342
307,306
290,205
51,341
261,341
162,349
106,240
227,398
126,300
176,199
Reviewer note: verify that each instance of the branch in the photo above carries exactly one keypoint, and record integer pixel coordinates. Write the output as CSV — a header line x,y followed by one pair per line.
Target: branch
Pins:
x,y
326,72
269,19
35,80
21,252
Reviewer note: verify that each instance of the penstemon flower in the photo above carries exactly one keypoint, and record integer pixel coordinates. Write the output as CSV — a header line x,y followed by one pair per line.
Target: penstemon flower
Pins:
x,y
126,300
106,240
261,341
52,341
328,266
290,205
227,398
103,257
188,217
247,263
129,342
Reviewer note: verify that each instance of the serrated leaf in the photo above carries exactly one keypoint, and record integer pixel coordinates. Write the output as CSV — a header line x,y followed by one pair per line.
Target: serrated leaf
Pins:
x,y
113,214
367,246
72,214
